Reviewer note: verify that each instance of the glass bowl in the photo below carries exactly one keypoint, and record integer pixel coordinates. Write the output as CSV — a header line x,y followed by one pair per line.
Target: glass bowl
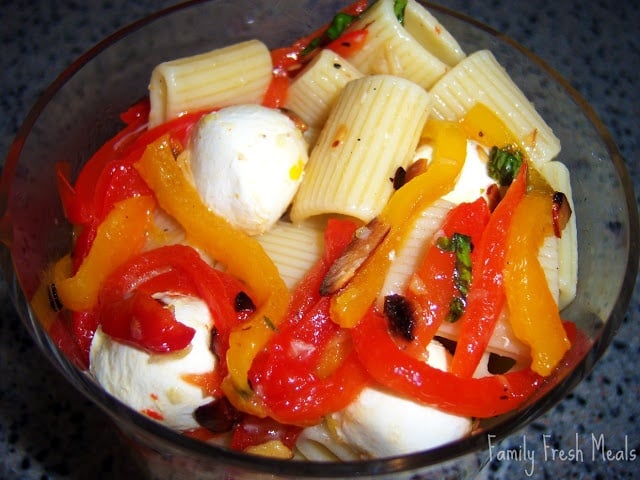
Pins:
x,y
79,111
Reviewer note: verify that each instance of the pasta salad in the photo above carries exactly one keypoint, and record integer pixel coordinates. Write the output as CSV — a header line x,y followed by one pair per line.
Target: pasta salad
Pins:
x,y
355,246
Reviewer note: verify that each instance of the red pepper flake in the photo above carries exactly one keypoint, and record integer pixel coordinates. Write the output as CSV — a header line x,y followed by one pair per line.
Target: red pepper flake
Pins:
x,y
152,414
341,134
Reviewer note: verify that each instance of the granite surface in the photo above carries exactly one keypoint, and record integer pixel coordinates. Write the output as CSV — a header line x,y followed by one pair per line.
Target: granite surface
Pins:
x,y
48,431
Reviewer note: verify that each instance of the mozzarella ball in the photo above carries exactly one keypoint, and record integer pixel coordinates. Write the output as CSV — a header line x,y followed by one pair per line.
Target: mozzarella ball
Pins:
x,y
153,384
474,180
247,163
379,423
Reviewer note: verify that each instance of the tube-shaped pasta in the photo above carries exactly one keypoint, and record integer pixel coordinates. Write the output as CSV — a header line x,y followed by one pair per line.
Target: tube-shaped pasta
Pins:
x,y
502,342
373,129
239,73
409,255
293,248
314,90
419,49
322,443
480,78
557,174
548,258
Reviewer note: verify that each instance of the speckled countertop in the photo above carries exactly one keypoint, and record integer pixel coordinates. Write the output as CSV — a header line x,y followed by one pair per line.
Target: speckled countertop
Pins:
x,y
48,431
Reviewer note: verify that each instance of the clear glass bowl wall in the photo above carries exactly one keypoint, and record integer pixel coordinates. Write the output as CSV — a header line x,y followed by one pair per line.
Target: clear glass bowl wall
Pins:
x,y
80,111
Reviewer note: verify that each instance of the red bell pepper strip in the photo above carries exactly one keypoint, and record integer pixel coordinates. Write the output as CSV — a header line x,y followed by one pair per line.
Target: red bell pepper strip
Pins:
x,y
276,94
62,335
337,235
291,59
137,113
287,373
472,397
431,288
129,313
78,200
108,176
141,320
349,43
486,296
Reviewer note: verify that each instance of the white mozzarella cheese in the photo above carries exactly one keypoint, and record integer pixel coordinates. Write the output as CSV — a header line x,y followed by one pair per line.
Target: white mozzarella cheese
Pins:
x,y
154,384
247,163
473,181
379,423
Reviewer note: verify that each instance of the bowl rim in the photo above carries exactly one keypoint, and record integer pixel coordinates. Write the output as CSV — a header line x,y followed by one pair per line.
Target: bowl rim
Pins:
x,y
388,465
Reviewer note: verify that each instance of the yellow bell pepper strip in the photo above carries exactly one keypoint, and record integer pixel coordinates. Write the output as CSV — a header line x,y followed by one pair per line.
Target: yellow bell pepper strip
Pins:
x,y
449,142
120,236
485,127
241,254
486,297
534,314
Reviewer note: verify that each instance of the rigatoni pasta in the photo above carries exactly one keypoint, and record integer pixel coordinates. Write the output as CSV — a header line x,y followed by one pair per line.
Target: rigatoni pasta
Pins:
x,y
410,253
293,248
239,73
480,78
372,130
557,174
314,90
419,48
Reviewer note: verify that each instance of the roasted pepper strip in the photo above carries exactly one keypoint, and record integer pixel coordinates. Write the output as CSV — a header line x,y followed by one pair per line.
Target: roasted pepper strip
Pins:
x,y
449,141
431,287
120,236
481,397
486,298
485,127
349,44
129,311
79,201
309,368
241,254
286,373
533,313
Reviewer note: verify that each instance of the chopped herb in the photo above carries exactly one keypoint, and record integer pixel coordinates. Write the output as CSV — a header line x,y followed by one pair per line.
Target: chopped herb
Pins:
x,y
313,44
270,324
504,164
399,7
336,28
339,24
400,314
461,246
